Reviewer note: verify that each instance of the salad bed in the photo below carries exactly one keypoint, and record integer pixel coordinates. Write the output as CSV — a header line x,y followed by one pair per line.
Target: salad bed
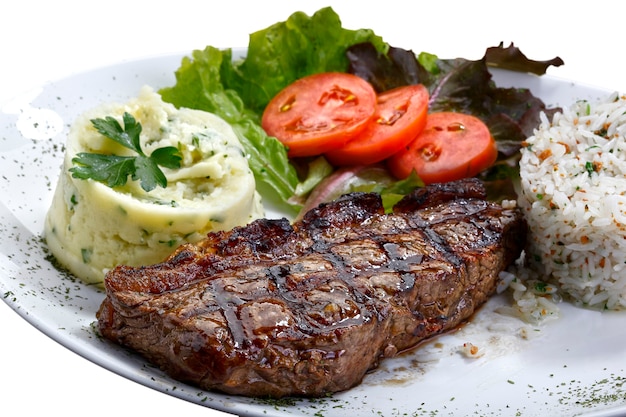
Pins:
x,y
239,90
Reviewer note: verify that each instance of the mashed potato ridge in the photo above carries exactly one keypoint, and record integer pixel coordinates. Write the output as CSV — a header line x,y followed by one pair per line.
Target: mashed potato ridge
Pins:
x,y
90,228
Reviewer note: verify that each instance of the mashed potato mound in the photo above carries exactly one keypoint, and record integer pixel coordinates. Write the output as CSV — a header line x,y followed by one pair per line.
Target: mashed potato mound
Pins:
x,y
91,228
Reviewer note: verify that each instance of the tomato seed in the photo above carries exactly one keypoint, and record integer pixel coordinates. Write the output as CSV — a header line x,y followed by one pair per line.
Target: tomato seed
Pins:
x,y
288,104
456,127
429,152
337,94
391,116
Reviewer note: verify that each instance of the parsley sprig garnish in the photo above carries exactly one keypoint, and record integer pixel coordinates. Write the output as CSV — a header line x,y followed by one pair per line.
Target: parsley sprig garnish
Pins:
x,y
114,170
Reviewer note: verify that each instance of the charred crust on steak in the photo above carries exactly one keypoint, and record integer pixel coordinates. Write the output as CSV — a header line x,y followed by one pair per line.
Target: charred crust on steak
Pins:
x,y
440,193
276,309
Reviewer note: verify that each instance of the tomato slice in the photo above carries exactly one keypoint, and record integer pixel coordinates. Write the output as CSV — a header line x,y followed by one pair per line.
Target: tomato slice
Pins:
x,y
400,116
452,146
319,112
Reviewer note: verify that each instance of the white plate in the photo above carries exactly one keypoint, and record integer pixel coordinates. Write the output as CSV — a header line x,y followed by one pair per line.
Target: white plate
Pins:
x,y
574,365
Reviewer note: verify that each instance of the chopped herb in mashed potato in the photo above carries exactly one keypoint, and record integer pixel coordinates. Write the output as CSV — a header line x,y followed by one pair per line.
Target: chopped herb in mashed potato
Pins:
x,y
91,227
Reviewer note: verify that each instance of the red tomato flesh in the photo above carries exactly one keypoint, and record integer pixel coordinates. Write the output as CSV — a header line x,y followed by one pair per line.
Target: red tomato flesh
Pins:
x,y
400,116
319,112
452,146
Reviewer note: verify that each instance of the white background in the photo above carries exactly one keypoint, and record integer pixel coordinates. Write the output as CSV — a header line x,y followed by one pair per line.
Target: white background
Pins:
x,y
42,41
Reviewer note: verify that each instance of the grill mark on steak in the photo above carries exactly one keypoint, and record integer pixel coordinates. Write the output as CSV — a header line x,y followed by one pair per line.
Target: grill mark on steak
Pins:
x,y
274,309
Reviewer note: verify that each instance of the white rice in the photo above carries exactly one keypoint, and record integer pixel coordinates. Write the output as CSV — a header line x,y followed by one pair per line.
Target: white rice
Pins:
x,y
573,194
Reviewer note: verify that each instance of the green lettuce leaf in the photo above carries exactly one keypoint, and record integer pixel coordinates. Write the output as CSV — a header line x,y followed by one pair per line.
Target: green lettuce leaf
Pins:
x,y
199,86
287,51
239,90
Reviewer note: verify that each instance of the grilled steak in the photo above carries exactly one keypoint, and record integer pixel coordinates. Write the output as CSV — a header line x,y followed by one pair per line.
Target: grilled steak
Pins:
x,y
277,309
